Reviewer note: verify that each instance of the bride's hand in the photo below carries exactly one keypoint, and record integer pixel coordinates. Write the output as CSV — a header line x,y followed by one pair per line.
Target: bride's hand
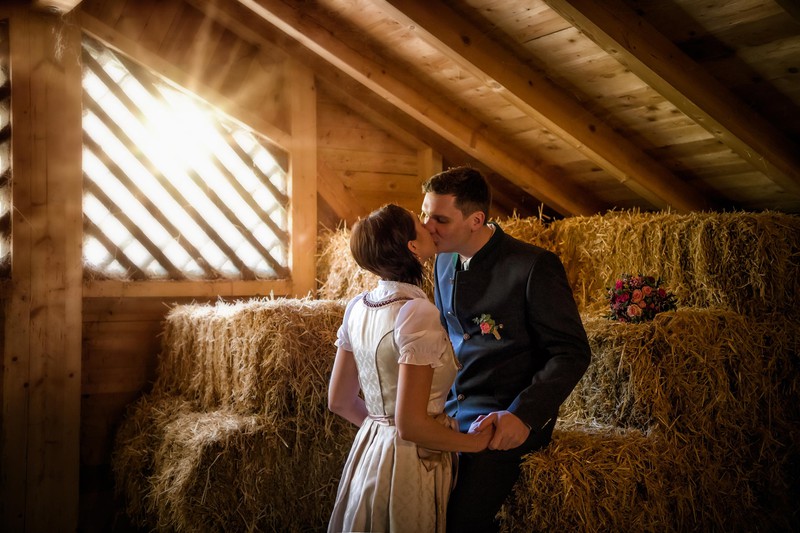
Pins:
x,y
483,422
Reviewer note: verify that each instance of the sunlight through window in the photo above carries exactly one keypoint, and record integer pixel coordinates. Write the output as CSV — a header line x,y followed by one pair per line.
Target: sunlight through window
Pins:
x,y
174,188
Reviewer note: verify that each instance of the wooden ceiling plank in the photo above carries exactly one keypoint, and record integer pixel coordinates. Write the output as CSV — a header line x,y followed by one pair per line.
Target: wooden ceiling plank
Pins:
x,y
162,16
360,99
662,65
441,118
474,50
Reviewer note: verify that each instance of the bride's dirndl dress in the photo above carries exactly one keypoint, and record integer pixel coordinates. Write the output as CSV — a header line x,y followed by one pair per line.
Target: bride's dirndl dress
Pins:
x,y
389,484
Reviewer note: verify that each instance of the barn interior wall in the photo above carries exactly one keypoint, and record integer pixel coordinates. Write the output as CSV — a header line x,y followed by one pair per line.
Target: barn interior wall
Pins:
x,y
120,334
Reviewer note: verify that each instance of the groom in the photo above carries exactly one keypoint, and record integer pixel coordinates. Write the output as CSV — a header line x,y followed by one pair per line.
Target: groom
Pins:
x,y
515,328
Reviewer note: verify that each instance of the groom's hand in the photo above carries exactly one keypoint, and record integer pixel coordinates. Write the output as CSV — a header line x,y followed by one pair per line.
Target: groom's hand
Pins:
x,y
509,432
482,422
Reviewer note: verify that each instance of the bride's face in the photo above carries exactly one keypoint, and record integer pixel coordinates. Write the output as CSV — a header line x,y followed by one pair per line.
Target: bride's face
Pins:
x,y
424,247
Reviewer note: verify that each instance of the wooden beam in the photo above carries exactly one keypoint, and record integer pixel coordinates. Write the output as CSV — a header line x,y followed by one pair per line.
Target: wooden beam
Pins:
x,y
185,289
302,178
532,92
662,65
348,91
444,118
154,62
429,162
42,353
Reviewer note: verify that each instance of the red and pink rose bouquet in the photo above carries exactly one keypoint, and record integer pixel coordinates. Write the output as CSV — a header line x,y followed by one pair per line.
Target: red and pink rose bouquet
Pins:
x,y
638,298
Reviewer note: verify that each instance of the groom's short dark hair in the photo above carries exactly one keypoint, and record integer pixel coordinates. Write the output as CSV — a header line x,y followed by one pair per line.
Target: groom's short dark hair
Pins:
x,y
467,184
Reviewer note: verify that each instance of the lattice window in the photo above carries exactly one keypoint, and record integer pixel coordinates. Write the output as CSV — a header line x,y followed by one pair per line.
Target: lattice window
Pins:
x,y
5,155
173,189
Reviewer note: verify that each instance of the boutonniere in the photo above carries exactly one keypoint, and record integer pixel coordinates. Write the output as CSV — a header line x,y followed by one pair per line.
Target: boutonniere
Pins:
x,y
488,325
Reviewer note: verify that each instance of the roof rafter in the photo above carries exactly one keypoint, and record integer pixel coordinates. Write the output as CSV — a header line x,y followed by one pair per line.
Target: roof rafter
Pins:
x,y
655,59
439,117
473,50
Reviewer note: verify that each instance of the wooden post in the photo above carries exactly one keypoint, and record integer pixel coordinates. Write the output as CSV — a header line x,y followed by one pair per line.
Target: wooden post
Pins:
x,y
42,352
303,176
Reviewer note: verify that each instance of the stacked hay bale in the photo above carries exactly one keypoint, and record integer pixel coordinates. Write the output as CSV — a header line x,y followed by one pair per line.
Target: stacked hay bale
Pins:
x,y
745,262
688,422
236,435
685,423
708,393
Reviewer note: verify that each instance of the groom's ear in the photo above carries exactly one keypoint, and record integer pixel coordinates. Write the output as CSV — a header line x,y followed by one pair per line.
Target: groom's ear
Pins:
x,y
477,219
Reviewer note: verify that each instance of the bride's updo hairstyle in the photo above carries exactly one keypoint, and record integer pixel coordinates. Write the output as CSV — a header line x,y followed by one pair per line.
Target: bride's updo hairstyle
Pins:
x,y
379,243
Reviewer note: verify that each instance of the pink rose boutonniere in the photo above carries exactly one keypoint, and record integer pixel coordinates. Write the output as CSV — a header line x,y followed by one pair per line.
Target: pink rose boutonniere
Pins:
x,y
488,325
638,298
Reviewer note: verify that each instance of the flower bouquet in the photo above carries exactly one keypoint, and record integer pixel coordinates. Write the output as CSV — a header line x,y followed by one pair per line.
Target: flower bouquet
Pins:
x,y
638,298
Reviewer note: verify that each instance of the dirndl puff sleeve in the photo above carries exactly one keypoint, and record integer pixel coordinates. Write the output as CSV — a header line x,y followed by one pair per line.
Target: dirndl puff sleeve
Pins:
x,y
342,334
419,334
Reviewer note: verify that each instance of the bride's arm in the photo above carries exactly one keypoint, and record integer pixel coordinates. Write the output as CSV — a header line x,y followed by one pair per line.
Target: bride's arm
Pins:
x,y
343,389
416,425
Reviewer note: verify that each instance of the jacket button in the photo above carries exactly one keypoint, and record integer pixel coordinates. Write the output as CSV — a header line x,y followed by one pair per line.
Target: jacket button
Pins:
x,y
460,397
466,336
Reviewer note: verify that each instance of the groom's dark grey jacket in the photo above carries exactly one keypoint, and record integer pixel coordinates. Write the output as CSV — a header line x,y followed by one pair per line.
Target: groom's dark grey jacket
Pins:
x,y
542,351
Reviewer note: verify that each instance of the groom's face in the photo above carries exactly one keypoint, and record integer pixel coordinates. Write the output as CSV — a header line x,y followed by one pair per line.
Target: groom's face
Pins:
x,y
445,222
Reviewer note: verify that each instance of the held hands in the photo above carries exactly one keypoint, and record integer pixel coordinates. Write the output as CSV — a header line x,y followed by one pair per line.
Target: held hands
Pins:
x,y
484,428
509,430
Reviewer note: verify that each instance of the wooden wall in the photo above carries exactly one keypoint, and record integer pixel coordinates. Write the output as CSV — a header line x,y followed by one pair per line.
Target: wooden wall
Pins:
x,y
120,344
120,335
361,166
78,352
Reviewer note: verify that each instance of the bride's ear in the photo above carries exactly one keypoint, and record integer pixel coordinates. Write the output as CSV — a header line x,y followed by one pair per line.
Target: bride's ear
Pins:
x,y
412,245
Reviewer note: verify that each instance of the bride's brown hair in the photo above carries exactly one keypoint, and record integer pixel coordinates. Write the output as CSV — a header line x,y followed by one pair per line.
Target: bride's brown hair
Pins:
x,y
379,243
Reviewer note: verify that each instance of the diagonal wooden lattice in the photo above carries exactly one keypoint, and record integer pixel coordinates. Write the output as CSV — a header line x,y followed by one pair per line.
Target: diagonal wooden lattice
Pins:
x,y
173,189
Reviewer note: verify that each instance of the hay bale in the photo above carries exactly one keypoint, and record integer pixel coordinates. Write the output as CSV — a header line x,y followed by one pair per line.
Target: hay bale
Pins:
x,y
528,229
746,262
595,478
689,370
599,478
222,471
719,389
263,356
132,460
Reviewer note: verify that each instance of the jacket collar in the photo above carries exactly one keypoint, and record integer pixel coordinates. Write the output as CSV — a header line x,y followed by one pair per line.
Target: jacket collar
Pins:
x,y
487,250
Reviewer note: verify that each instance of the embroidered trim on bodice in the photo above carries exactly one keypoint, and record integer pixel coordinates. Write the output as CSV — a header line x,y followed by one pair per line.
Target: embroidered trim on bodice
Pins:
x,y
383,303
